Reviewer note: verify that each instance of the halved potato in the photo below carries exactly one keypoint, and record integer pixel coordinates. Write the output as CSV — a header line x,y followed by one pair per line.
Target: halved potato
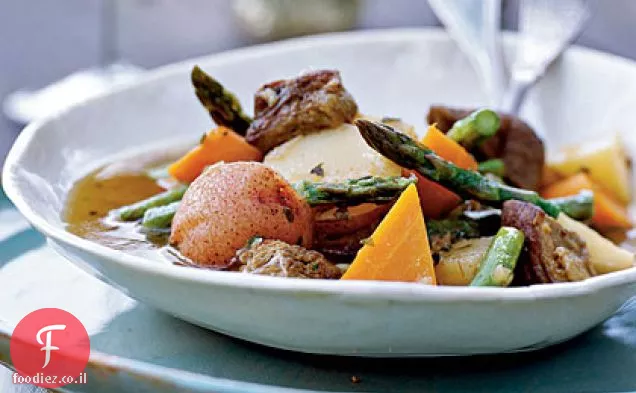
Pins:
x,y
605,256
459,265
339,154
605,162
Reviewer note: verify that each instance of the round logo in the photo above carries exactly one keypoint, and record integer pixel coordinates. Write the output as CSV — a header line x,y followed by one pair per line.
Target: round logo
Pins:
x,y
50,348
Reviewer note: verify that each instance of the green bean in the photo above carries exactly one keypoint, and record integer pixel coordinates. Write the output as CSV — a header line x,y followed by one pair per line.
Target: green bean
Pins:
x,y
137,210
160,217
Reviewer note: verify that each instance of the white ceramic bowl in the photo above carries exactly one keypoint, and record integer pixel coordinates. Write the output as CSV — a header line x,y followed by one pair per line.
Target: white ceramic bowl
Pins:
x,y
397,73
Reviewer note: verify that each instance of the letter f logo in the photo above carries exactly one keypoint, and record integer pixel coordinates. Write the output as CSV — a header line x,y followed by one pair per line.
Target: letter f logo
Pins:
x,y
48,347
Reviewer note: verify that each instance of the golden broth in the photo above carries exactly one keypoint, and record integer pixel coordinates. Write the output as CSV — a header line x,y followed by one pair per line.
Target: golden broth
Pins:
x,y
93,197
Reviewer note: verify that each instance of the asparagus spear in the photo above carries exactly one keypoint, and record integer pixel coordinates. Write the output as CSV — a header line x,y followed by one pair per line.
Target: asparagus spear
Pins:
x,y
137,210
355,191
495,166
498,264
223,106
475,128
160,217
406,152
158,211
580,206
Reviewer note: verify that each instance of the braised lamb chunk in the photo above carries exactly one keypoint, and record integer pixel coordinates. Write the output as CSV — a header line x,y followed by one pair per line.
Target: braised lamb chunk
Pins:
x,y
552,253
342,248
287,108
280,259
515,143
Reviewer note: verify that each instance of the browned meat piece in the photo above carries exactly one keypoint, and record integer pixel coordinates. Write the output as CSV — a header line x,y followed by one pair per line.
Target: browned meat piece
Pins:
x,y
280,259
445,117
552,253
339,232
286,108
336,221
515,142
342,248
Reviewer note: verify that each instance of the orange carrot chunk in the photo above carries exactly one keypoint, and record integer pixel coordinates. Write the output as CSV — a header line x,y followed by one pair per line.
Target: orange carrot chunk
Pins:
x,y
398,249
220,144
448,149
435,199
608,212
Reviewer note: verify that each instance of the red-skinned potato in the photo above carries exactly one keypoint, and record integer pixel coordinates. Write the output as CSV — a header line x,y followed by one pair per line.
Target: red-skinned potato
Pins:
x,y
229,204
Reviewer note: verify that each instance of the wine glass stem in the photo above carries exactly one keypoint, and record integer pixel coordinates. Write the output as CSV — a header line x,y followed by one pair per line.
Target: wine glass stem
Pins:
x,y
108,45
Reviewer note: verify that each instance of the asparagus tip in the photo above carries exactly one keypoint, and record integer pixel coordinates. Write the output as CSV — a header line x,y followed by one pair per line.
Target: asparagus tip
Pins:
x,y
365,127
372,131
196,73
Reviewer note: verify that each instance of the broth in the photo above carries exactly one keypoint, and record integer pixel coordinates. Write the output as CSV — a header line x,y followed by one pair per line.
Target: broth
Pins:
x,y
93,197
